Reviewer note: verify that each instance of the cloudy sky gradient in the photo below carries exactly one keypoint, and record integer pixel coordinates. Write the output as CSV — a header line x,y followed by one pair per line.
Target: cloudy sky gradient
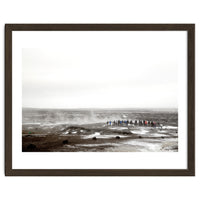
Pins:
x,y
103,70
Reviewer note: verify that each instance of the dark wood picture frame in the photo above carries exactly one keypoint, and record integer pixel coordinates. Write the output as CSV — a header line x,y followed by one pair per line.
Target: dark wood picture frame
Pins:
x,y
190,28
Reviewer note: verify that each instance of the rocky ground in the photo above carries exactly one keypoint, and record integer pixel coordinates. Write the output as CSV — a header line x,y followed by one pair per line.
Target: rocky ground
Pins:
x,y
98,137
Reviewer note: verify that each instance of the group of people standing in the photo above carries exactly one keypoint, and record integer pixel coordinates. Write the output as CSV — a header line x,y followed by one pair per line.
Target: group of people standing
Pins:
x,y
132,122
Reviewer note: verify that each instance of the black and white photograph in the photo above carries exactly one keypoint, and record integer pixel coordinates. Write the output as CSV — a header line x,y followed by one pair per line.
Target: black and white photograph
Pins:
x,y
103,92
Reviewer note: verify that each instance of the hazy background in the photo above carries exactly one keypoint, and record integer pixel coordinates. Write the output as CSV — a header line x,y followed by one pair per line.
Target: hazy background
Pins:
x,y
103,70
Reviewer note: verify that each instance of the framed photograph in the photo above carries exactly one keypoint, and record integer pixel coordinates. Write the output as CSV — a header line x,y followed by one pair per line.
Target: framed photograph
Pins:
x,y
99,100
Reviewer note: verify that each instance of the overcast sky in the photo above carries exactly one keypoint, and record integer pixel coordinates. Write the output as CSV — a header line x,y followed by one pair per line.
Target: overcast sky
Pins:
x,y
103,70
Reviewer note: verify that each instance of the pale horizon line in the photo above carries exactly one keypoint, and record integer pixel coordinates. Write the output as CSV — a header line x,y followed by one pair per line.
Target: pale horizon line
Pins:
x,y
93,108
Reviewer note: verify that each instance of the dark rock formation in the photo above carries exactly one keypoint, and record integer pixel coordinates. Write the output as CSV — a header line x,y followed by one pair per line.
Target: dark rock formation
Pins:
x,y
31,147
65,141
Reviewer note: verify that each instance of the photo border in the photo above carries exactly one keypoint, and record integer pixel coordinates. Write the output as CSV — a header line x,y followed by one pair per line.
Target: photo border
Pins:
x,y
190,28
